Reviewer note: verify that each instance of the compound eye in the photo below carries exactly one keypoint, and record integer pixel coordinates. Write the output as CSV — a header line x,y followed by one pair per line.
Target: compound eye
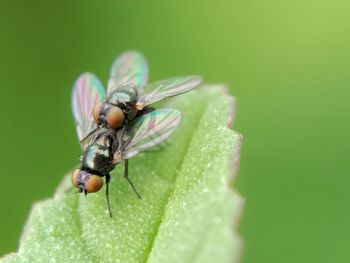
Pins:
x,y
115,117
94,184
96,112
75,175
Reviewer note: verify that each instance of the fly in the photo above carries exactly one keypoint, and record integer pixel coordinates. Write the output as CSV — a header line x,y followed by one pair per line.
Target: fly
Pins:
x,y
115,127
128,92
109,147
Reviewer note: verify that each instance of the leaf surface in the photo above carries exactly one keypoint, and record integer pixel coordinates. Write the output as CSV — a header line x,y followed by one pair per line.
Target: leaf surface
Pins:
x,y
188,212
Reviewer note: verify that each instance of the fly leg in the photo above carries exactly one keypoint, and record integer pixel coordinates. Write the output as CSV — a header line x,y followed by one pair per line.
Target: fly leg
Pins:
x,y
108,178
126,176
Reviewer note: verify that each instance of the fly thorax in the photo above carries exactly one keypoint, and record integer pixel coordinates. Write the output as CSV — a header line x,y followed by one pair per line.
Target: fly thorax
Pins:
x,y
97,158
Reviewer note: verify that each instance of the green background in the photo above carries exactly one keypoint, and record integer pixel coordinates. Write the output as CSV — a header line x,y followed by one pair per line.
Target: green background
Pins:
x,y
287,62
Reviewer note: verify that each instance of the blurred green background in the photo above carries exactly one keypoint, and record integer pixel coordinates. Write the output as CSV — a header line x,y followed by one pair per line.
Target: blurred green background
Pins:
x,y
287,62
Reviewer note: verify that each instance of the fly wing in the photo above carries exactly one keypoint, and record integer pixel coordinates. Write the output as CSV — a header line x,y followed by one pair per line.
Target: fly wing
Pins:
x,y
96,135
87,91
147,131
166,88
129,69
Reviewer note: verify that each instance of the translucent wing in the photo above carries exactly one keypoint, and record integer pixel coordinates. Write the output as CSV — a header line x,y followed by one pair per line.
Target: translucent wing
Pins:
x,y
87,92
129,69
148,130
166,88
97,134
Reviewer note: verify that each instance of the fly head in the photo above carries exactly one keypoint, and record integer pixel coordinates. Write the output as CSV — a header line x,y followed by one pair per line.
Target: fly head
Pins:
x,y
86,182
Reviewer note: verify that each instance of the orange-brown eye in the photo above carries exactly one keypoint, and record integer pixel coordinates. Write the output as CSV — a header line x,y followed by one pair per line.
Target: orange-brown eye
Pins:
x,y
75,177
115,117
96,112
93,184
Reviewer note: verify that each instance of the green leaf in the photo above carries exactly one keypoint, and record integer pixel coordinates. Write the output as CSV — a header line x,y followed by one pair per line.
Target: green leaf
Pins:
x,y
188,212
